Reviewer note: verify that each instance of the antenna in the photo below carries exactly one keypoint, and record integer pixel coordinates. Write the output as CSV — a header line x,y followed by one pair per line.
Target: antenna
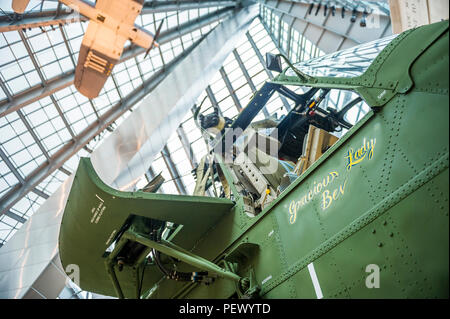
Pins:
x,y
154,38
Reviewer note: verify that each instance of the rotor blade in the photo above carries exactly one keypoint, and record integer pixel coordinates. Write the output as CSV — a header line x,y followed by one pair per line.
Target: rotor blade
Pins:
x,y
154,38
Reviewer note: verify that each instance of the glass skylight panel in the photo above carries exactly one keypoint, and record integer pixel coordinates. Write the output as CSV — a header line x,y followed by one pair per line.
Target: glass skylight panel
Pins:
x,y
51,70
145,65
7,64
228,107
68,103
11,37
243,94
192,132
44,130
10,179
167,52
36,117
174,144
46,56
187,40
33,79
29,204
126,88
66,64
121,77
346,63
75,30
199,147
2,94
184,167
101,103
4,186
86,109
52,143
193,14
11,71
27,168
13,146
52,182
21,158
183,16
171,20
220,91
196,35
112,96
179,156
237,78
38,42
79,126
254,68
18,84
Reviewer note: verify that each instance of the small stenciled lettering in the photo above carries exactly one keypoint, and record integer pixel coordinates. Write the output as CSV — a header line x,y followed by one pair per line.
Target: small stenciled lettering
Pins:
x,y
373,279
97,212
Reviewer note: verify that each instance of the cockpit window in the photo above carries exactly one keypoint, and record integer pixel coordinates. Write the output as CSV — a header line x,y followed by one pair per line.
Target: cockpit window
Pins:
x,y
344,64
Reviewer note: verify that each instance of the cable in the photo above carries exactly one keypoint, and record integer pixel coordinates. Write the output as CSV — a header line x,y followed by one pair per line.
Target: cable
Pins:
x,y
318,8
142,277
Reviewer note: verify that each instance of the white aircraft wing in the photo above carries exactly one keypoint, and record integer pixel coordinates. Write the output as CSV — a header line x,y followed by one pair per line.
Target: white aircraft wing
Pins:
x,y
99,52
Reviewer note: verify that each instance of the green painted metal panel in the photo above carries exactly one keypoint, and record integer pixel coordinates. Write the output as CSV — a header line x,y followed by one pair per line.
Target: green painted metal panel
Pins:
x,y
378,196
95,213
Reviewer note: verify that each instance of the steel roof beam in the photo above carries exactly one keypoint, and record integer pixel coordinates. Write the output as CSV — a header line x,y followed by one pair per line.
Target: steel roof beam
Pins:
x,y
36,93
5,90
187,146
63,117
16,217
36,138
165,6
212,99
19,177
40,193
64,16
40,19
31,55
11,166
